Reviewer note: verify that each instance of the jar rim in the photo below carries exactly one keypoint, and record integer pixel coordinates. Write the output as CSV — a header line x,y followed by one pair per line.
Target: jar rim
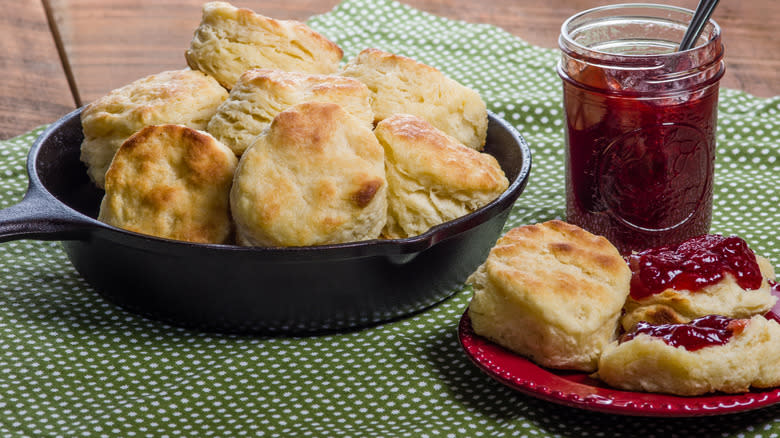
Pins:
x,y
567,26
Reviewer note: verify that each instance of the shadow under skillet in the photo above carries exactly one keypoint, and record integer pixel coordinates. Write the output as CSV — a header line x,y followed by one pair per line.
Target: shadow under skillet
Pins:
x,y
476,391
67,300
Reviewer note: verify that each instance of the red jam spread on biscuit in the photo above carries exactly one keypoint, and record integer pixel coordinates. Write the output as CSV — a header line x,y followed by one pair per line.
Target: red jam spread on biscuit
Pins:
x,y
702,332
693,265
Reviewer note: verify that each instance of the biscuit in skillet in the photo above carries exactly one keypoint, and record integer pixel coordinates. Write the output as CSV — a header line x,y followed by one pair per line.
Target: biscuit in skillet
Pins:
x,y
552,292
315,176
261,94
400,84
171,181
184,97
230,41
432,178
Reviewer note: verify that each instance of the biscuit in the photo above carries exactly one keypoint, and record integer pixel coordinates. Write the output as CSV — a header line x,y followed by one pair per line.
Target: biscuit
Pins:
x,y
171,181
647,363
261,94
552,292
315,176
182,97
230,41
432,178
726,297
402,85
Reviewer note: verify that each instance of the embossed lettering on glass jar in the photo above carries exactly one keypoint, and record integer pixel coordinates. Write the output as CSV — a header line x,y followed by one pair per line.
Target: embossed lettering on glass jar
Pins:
x,y
640,124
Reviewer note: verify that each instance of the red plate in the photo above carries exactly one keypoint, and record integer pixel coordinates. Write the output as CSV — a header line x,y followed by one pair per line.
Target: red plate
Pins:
x,y
576,389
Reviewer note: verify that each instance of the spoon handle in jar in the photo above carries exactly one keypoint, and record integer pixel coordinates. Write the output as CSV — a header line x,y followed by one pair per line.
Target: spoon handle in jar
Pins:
x,y
700,17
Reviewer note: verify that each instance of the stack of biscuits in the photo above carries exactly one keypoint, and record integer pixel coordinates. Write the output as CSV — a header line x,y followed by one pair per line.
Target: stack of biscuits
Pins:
x,y
266,141
559,295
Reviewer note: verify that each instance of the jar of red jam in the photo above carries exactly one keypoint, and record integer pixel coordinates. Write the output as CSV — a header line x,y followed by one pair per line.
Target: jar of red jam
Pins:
x,y
640,123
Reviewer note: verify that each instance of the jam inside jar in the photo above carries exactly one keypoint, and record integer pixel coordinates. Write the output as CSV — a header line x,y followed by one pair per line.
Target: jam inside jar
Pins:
x,y
640,124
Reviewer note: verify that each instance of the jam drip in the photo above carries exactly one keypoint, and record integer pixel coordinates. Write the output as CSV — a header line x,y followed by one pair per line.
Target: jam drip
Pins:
x,y
693,265
702,332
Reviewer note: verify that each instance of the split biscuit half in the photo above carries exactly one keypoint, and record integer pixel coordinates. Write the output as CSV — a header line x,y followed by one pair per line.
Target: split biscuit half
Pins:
x,y
748,359
726,297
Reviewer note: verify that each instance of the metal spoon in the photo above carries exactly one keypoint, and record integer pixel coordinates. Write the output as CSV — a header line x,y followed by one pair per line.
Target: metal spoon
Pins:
x,y
700,18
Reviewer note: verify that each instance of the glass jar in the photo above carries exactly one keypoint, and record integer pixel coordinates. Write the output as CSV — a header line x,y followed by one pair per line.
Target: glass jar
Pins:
x,y
640,123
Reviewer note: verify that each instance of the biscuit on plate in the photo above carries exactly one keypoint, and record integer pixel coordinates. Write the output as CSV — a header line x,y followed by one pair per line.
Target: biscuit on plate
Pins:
x,y
552,292
261,94
230,41
184,97
750,357
315,176
432,178
171,181
725,297
402,85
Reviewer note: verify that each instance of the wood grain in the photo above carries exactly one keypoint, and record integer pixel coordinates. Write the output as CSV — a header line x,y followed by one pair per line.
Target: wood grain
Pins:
x,y
749,30
34,89
111,43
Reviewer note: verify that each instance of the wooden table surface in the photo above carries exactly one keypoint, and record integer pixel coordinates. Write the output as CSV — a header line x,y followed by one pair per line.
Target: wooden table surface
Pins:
x,y
56,55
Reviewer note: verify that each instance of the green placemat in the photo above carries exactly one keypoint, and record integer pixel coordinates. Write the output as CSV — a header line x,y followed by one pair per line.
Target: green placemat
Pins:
x,y
74,365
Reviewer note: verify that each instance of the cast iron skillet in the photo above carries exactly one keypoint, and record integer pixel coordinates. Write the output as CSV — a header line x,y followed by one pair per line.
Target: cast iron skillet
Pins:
x,y
254,290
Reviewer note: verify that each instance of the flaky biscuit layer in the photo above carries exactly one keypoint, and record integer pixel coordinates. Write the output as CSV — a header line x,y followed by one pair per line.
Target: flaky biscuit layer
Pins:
x,y
230,41
552,292
400,84
261,94
432,177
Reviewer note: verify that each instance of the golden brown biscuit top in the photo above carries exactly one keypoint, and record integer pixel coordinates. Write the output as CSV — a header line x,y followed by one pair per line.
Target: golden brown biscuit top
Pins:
x,y
269,79
163,96
171,181
434,158
307,129
559,270
203,165
214,12
385,61
313,177
260,94
230,40
400,84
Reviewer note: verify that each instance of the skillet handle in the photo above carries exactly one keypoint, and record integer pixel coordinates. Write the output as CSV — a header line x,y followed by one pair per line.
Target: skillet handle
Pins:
x,y
40,216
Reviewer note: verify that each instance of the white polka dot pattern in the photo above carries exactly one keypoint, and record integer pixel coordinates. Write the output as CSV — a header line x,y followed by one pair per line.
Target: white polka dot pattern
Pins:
x,y
73,365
